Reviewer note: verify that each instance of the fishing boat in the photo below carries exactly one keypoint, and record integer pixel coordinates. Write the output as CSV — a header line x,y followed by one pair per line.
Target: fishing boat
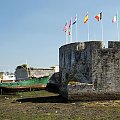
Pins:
x,y
28,78
7,77
34,83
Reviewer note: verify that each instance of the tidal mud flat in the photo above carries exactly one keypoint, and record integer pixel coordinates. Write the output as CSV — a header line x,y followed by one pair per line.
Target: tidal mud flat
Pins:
x,y
41,105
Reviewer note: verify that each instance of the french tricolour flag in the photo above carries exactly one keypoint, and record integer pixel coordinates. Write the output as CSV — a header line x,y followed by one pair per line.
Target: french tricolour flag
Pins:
x,y
114,19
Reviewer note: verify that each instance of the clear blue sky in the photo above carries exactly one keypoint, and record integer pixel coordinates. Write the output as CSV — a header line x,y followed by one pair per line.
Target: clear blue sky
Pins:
x,y
32,30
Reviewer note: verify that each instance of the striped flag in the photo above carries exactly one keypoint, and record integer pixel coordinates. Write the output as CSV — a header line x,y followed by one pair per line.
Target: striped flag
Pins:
x,y
99,16
70,23
115,20
70,29
65,27
75,20
86,18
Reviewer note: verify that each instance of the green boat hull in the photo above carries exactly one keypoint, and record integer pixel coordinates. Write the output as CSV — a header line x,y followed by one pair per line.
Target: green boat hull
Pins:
x,y
26,84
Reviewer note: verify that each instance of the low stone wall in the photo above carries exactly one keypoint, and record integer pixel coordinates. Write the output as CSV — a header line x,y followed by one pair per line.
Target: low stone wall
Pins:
x,y
86,92
93,95
70,90
84,87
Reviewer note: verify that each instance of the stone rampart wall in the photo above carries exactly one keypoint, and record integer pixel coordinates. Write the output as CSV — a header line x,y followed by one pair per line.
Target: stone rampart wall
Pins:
x,y
90,63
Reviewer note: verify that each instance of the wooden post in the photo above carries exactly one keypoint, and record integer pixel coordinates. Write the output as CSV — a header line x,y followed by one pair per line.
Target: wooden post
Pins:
x,y
1,91
30,89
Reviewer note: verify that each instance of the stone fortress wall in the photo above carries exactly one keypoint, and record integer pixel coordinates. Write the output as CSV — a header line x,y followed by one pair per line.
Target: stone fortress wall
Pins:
x,y
89,67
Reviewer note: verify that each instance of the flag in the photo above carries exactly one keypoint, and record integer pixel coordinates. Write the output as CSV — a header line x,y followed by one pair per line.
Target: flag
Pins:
x,y
69,33
70,29
75,20
86,18
65,27
99,16
70,23
114,19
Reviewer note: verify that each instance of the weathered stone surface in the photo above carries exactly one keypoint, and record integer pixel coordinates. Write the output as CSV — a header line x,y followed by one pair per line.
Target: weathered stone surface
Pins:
x,y
90,63
22,73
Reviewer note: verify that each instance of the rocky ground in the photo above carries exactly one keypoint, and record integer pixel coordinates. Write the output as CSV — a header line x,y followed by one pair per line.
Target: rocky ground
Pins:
x,y
44,105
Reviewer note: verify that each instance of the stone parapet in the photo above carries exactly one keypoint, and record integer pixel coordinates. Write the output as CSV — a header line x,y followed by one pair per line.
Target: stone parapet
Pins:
x,y
114,44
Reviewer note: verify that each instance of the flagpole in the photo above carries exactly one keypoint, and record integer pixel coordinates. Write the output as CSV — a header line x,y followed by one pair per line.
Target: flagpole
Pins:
x,y
67,33
94,36
66,36
102,28
88,30
71,30
76,31
117,26
87,20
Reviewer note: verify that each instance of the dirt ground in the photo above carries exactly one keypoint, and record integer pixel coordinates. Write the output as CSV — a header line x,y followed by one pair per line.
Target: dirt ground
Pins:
x,y
44,105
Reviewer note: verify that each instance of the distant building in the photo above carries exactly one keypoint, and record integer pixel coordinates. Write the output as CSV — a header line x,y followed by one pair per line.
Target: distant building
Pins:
x,y
24,72
56,68
1,76
7,77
